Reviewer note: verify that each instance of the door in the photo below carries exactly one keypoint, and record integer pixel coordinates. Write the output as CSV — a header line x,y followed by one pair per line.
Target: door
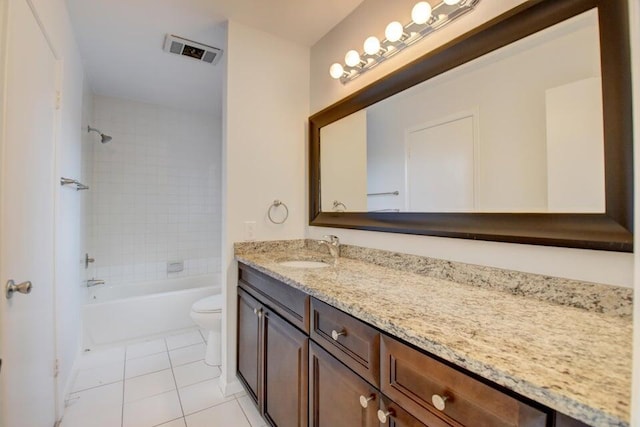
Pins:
x,y
440,167
249,342
286,361
337,396
27,222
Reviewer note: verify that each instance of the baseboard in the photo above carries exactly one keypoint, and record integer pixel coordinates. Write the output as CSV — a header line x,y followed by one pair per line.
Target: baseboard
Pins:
x,y
229,388
66,390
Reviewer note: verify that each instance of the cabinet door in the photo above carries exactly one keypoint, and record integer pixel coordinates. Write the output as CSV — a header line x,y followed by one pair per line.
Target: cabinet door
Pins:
x,y
286,372
249,343
335,393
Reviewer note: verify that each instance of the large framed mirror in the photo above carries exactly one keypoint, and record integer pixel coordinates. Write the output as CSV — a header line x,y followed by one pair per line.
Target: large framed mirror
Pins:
x,y
518,131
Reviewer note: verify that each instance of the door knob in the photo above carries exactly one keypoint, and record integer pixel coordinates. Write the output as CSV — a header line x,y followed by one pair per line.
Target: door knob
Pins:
x,y
23,288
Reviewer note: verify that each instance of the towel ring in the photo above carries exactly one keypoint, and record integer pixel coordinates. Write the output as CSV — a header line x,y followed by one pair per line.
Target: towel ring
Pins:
x,y
337,204
277,204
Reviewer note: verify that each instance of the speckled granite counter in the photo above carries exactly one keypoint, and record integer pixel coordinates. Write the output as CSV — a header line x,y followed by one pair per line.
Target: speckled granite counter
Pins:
x,y
570,359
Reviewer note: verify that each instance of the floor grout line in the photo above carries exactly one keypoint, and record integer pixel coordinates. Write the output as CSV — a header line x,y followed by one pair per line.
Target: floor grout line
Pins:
x,y
124,379
173,374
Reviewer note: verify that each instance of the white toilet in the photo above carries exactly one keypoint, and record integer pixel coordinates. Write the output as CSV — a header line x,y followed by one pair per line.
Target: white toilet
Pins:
x,y
207,313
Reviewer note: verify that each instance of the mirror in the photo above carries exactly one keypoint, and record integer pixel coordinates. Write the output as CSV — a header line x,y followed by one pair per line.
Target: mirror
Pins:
x,y
498,134
504,134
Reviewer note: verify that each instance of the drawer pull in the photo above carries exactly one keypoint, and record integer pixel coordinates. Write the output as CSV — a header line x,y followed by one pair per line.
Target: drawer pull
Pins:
x,y
383,417
364,401
335,334
439,401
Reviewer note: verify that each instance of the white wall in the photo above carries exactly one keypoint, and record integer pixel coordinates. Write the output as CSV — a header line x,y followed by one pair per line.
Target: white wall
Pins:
x,y
370,18
69,294
156,192
634,8
266,107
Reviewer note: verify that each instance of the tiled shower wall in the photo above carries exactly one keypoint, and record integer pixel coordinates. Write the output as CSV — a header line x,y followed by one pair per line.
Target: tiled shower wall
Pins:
x,y
156,192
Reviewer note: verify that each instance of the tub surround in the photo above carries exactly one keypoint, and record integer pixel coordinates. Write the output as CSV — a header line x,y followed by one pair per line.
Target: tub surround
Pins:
x,y
562,343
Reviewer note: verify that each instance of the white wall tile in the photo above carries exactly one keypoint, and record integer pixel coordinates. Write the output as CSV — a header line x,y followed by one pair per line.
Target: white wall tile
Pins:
x,y
157,192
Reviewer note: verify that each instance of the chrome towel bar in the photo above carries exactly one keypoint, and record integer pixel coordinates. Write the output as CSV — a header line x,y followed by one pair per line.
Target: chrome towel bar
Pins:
x,y
388,193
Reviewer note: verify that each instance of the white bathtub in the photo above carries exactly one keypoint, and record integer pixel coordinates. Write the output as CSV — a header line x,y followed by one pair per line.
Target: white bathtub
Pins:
x,y
128,312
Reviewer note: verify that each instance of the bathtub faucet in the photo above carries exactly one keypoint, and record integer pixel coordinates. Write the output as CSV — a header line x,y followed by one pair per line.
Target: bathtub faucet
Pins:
x,y
94,282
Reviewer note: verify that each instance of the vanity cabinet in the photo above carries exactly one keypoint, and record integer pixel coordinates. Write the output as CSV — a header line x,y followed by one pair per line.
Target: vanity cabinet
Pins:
x,y
249,343
425,386
306,363
337,396
272,354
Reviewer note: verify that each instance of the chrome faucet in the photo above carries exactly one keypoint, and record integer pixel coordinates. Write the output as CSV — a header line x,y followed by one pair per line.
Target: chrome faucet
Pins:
x,y
94,282
333,243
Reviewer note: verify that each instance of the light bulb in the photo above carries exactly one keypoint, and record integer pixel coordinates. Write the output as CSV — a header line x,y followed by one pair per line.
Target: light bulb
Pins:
x,y
352,58
372,45
394,31
421,12
336,71
451,2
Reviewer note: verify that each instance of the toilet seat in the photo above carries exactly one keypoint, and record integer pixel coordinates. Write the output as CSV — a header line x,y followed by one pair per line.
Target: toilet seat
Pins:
x,y
210,304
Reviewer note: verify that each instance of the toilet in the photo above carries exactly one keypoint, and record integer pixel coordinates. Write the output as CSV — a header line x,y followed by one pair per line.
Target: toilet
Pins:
x,y
207,313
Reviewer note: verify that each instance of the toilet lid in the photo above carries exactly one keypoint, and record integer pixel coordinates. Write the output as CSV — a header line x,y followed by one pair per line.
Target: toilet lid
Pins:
x,y
208,305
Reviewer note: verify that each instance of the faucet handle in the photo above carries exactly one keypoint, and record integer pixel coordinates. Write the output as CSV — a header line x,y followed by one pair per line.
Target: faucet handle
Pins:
x,y
333,239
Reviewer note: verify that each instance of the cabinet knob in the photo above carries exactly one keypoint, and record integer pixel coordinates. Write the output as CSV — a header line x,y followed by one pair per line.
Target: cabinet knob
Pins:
x,y
439,401
383,416
364,400
257,312
335,334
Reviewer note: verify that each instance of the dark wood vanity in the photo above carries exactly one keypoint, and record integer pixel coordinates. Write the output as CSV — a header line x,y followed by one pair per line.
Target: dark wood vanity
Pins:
x,y
306,363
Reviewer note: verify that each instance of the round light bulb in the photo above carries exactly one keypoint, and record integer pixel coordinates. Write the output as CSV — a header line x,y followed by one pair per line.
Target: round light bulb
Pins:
x,y
336,71
394,31
421,12
352,58
372,45
451,2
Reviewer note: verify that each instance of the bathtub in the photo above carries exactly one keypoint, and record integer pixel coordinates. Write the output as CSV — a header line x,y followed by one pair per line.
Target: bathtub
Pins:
x,y
127,312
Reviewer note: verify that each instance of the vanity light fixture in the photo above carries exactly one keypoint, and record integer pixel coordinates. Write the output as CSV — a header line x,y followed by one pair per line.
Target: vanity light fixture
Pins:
x,y
425,19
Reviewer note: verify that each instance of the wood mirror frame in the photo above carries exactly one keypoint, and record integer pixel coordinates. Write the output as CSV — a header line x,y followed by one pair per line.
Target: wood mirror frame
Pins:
x,y
612,231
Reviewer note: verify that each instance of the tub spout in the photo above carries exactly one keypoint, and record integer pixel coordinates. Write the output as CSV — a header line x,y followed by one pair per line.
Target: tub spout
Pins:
x,y
94,282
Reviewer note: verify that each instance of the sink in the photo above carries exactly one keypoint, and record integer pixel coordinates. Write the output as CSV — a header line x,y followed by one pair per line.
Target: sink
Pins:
x,y
304,264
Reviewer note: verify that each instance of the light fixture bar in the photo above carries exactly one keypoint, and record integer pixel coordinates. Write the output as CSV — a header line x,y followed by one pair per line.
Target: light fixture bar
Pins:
x,y
425,20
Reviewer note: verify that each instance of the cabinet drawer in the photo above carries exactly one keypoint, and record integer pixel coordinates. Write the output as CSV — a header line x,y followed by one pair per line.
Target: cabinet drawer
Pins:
x,y
288,302
418,382
353,342
398,417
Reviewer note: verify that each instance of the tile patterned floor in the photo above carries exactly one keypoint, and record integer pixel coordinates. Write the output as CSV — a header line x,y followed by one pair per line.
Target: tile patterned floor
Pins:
x,y
159,382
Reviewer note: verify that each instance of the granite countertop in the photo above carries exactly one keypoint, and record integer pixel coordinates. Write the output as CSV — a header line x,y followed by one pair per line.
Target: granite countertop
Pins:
x,y
575,361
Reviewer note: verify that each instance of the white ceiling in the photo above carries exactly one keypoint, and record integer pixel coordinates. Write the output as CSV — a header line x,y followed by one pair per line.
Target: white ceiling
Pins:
x,y
121,42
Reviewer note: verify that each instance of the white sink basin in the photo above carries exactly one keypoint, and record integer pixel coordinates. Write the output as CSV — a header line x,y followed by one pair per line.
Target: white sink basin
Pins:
x,y
304,264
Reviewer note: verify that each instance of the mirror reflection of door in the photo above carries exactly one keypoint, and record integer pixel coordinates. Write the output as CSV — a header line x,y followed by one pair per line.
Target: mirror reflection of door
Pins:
x,y
440,167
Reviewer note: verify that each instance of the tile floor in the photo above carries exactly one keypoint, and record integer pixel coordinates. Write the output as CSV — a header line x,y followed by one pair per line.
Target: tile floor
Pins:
x,y
160,382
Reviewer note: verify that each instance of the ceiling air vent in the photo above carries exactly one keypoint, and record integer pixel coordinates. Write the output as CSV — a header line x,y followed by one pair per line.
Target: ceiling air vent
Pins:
x,y
191,49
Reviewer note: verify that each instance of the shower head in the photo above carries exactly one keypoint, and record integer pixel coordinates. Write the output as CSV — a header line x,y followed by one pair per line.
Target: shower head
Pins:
x,y
103,138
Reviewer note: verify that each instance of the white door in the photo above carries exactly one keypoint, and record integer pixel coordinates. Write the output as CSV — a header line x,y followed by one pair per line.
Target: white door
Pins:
x,y
27,223
440,167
